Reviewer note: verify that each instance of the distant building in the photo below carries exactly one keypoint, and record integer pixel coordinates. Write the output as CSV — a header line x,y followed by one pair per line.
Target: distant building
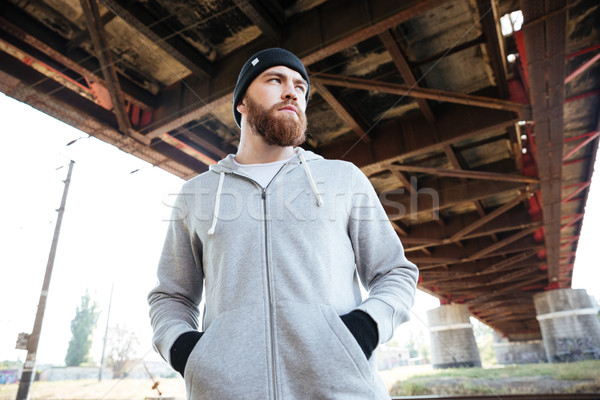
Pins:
x,y
73,373
389,357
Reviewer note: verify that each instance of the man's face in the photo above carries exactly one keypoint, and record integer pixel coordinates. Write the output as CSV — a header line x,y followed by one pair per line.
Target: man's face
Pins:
x,y
274,107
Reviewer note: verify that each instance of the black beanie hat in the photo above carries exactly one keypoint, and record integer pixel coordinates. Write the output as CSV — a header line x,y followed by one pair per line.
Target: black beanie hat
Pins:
x,y
260,62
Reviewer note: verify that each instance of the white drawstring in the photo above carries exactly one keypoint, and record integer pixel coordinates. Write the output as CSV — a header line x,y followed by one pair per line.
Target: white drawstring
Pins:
x,y
211,231
310,179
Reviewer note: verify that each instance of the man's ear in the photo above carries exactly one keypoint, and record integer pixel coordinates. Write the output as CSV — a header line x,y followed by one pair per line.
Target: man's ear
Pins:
x,y
241,107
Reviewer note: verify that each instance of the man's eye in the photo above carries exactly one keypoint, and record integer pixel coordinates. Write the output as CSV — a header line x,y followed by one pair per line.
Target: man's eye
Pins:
x,y
301,88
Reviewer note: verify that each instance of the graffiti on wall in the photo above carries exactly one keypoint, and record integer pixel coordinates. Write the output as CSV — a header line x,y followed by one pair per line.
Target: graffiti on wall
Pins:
x,y
576,349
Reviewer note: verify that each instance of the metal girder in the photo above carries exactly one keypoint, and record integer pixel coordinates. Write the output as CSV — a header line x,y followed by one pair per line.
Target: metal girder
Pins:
x,y
405,71
544,30
341,111
103,54
357,30
324,34
140,20
393,142
85,35
418,92
202,142
156,129
490,22
404,180
401,206
484,220
25,29
462,173
65,112
261,18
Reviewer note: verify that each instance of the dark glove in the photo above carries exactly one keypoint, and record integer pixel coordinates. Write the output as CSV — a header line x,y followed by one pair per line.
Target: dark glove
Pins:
x,y
181,349
364,330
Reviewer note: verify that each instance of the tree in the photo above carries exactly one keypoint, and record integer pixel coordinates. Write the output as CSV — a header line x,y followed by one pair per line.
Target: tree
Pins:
x,y
82,328
122,347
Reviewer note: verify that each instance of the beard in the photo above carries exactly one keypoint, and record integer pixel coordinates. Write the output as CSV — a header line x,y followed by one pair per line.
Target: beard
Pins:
x,y
275,127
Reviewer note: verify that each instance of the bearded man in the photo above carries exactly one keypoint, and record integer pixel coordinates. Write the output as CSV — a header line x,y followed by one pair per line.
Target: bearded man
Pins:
x,y
278,241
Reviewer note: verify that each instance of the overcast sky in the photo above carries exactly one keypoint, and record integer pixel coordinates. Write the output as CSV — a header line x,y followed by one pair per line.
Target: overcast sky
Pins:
x,y
112,234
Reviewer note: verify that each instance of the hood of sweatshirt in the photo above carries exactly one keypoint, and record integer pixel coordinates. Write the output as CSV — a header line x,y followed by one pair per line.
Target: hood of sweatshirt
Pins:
x,y
228,166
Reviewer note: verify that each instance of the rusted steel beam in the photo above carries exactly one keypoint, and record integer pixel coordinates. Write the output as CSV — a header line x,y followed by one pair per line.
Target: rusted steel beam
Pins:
x,y
200,141
261,18
85,35
462,173
325,36
400,228
140,20
590,137
581,186
404,180
96,29
156,129
484,220
341,111
402,206
65,112
405,71
417,92
47,70
187,149
500,244
413,243
364,29
544,32
445,53
490,22
56,55
582,68
515,274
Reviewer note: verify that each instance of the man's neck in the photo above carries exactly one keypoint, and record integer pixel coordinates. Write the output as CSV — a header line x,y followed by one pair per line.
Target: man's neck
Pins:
x,y
253,150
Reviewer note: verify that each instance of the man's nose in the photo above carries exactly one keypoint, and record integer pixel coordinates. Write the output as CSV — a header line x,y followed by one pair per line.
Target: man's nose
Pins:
x,y
289,91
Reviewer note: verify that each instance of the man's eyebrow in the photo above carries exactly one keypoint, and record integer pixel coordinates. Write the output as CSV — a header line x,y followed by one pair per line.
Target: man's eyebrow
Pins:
x,y
282,76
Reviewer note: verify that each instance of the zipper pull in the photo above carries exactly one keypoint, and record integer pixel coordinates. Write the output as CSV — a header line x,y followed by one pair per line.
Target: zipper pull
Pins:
x,y
264,194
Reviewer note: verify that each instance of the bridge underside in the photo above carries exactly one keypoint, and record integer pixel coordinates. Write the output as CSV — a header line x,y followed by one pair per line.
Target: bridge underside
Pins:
x,y
481,143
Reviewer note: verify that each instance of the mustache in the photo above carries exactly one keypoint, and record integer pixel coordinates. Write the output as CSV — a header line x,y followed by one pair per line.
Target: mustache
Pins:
x,y
288,103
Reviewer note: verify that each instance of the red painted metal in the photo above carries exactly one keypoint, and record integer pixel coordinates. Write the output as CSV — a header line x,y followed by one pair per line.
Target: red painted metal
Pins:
x,y
591,137
583,96
582,68
582,186
583,51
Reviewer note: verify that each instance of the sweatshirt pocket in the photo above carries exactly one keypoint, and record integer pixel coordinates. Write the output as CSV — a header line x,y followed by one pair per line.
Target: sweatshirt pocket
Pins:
x,y
318,356
229,360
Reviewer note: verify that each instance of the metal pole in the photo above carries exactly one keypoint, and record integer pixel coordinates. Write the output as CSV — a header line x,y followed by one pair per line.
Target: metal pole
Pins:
x,y
28,374
105,334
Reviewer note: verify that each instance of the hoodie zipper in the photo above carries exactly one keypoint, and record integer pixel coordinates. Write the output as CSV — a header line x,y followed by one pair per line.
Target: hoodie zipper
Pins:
x,y
269,285
271,313
269,295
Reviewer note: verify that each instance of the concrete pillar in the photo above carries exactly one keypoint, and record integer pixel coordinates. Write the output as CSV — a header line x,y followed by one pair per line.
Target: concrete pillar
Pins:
x,y
519,351
452,340
569,323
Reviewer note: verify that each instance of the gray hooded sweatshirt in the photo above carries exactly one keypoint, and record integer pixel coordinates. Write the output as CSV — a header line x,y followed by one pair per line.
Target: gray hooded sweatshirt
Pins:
x,y
277,267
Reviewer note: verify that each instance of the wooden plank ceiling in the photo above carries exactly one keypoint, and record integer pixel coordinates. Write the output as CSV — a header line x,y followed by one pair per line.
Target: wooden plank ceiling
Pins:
x,y
481,143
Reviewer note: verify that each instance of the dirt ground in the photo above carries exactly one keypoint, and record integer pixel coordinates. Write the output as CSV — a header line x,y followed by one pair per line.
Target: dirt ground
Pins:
x,y
173,389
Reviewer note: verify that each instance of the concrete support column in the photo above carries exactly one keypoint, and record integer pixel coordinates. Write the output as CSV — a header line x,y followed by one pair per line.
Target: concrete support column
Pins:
x,y
569,323
452,340
519,351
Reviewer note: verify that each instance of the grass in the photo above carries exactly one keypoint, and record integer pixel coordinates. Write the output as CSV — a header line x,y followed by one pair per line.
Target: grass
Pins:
x,y
577,377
